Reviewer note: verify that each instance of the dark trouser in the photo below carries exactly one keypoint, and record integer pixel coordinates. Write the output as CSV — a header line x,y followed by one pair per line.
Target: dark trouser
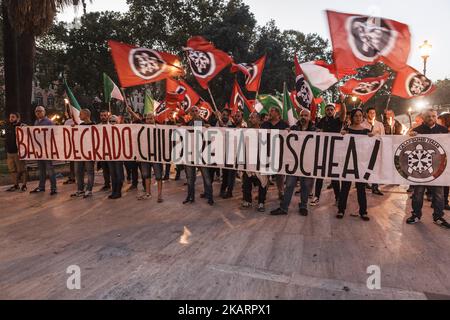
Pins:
x,y
191,174
362,200
438,201
132,168
446,192
106,174
229,178
80,168
72,170
117,177
179,168
46,168
336,188
306,185
248,183
167,171
375,186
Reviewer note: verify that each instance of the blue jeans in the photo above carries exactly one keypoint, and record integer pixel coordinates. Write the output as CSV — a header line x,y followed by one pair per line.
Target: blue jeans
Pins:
x,y
438,201
46,167
191,174
306,185
80,168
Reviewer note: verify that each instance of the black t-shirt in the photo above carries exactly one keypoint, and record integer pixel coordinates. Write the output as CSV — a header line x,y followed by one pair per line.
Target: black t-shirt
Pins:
x,y
328,124
437,129
10,137
361,132
280,125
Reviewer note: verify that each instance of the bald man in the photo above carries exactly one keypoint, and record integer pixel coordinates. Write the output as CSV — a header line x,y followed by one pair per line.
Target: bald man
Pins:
x,y
45,167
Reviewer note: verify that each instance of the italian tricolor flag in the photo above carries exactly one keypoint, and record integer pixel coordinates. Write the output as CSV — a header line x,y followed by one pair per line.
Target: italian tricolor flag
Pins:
x,y
111,90
74,105
320,75
289,114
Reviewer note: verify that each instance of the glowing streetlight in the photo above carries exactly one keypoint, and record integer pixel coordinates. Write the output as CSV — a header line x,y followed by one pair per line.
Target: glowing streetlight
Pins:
x,y
425,52
420,105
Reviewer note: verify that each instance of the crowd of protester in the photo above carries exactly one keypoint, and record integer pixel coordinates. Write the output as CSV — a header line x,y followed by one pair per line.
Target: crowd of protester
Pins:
x,y
117,173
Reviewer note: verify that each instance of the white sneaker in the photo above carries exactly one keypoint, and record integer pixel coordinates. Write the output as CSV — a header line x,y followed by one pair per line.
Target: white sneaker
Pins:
x,y
87,194
246,205
315,202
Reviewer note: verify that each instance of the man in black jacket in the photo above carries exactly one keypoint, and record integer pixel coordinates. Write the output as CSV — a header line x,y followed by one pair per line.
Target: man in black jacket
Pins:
x,y
429,126
16,167
304,124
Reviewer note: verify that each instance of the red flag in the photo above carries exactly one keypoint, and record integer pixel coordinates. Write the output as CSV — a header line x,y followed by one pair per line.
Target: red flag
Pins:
x,y
162,112
238,101
252,71
181,88
410,83
360,40
205,60
364,89
205,110
136,66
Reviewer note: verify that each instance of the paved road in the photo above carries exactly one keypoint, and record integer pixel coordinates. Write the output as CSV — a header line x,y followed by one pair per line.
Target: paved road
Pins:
x,y
143,250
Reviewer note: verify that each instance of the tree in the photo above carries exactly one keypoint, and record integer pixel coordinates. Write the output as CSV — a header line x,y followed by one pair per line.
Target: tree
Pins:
x,y
82,52
23,20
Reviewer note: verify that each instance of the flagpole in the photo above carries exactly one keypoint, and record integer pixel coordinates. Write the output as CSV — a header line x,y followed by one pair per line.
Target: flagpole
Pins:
x,y
388,102
212,99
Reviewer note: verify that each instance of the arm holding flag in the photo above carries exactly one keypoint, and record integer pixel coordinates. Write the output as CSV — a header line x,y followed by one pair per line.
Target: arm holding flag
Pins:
x,y
343,114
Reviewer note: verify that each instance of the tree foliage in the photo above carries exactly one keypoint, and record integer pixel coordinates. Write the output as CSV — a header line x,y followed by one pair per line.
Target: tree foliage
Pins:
x,y
82,53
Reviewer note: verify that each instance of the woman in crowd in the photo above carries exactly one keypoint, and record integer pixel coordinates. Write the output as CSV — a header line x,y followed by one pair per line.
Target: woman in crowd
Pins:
x,y
355,127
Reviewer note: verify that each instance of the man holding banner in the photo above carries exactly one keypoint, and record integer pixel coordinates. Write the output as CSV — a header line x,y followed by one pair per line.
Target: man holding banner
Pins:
x,y
45,166
306,184
429,126
330,123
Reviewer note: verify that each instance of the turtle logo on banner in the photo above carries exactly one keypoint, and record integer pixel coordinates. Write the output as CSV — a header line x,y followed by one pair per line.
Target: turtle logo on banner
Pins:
x,y
202,63
370,37
420,160
418,84
304,93
145,63
368,87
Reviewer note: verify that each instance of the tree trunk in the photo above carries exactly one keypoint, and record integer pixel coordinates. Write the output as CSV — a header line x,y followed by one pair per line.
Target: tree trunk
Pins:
x,y
12,101
26,47
19,52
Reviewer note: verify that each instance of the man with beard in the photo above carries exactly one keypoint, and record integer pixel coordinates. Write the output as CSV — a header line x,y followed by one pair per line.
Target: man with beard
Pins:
x,y
104,120
276,123
16,167
191,171
250,179
377,128
116,170
429,126
84,166
391,126
306,184
333,124
45,167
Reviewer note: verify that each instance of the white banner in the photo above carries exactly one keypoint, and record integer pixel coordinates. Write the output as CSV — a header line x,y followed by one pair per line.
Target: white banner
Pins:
x,y
385,160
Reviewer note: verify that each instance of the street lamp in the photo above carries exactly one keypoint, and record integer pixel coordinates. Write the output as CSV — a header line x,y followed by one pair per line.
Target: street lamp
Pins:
x,y
425,51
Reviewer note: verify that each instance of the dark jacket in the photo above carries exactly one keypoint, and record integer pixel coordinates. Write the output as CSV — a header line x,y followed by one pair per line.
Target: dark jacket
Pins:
x,y
10,137
298,127
396,131
437,129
